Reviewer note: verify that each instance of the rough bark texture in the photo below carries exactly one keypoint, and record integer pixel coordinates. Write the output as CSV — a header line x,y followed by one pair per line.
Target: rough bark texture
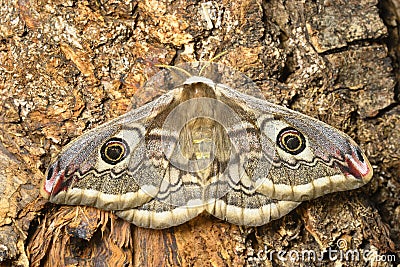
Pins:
x,y
68,66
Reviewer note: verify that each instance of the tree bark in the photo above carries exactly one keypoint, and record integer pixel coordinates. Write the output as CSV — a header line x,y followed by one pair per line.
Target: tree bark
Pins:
x,y
69,66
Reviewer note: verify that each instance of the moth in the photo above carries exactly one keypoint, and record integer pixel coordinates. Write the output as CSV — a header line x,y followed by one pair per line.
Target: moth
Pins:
x,y
205,144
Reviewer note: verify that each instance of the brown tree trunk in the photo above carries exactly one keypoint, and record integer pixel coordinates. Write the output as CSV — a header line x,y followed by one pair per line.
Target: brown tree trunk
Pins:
x,y
69,66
